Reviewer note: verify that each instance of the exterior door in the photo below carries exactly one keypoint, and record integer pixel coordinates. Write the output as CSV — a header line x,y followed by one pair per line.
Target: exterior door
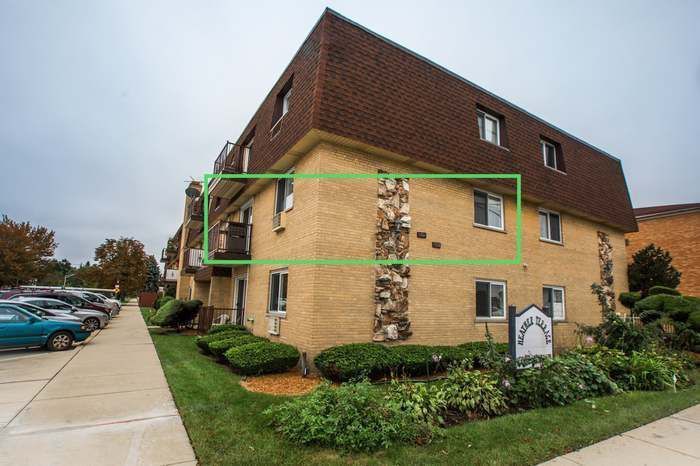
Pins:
x,y
239,299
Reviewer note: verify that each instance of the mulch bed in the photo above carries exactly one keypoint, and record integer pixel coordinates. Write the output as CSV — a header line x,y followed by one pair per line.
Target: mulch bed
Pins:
x,y
288,383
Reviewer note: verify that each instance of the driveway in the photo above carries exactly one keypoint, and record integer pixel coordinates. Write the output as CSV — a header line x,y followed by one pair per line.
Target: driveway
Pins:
x,y
104,402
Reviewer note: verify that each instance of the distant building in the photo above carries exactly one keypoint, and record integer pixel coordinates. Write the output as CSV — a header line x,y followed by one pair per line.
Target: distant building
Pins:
x,y
675,228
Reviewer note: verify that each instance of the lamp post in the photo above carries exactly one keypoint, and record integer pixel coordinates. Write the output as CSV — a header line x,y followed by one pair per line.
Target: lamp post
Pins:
x,y
66,277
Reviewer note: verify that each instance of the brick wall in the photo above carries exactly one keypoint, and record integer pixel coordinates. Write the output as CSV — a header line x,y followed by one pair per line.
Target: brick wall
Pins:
x,y
678,234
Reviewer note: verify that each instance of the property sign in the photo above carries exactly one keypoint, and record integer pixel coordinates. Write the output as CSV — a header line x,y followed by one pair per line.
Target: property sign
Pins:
x,y
529,332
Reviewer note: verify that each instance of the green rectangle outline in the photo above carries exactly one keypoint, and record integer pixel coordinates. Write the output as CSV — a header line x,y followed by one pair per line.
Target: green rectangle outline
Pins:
x,y
518,220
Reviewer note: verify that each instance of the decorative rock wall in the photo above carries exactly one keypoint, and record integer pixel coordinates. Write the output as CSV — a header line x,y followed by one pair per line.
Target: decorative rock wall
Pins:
x,y
391,321
605,258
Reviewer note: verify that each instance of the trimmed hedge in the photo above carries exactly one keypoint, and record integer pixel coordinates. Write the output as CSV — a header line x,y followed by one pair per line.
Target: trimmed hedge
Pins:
x,y
663,290
226,327
678,308
630,298
219,347
262,358
162,300
167,314
372,360
206,340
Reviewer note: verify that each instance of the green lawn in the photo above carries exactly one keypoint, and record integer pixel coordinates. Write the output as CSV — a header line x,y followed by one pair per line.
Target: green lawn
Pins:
x,y
226,426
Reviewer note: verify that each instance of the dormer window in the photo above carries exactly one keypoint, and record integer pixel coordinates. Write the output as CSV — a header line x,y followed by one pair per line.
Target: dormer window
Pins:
x,y
489,127
282,102
552,155
247,152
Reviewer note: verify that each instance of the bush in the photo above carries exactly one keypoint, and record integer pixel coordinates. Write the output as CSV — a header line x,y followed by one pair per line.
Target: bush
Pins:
x,y
694,320
163,300
205,341
663,290
423,402
472,393
166,316
352,417
190,309
676,308
148,313
262,358
629,298
226,327
558,381
356,360
219,347
617,333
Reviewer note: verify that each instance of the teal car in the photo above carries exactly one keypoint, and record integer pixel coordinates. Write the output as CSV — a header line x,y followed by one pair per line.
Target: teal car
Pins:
x,y
21,329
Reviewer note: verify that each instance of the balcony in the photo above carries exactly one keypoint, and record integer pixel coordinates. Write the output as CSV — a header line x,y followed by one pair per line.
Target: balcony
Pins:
x,y
230,241
193,260
229,161
170,275
195,212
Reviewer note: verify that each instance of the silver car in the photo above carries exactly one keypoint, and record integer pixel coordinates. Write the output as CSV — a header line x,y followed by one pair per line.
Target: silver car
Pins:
x,y
43,313
97,298
93,320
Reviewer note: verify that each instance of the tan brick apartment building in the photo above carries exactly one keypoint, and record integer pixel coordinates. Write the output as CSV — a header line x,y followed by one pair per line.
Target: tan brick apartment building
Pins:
x,y
351,102
675,228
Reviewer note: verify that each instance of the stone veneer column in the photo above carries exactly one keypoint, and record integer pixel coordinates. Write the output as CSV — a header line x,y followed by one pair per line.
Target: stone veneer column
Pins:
x,y
391,321
605,258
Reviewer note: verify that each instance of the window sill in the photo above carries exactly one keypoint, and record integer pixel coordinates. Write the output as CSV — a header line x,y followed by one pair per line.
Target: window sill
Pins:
x,y
494,144
557,243
281,315
497,320
555,170
486,227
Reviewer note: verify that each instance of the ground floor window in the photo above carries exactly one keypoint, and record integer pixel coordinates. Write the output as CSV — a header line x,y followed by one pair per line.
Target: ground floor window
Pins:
x,y
490,299
553,298
278,291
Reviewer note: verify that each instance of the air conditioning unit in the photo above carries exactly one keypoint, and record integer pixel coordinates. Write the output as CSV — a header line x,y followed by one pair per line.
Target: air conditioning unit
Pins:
x,y
279,221
273,325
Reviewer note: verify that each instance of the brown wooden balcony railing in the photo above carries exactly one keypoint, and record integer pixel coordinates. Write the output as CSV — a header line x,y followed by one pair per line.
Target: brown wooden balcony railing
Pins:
x,y
230,240
193,259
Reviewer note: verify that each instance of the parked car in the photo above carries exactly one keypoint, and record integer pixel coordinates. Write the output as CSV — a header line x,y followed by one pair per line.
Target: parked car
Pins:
x,y
95,298
93,320
43,313
22,329
66,297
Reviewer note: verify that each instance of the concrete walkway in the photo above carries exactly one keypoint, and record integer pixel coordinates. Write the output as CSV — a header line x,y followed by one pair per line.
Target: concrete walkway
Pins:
x,y
674,440
105,402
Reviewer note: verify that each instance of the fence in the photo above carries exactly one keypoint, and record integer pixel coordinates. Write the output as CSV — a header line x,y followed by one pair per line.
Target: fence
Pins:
x,y
210,315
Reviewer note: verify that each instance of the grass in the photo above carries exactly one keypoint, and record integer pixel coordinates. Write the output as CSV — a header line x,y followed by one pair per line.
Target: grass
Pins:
x,y
226,425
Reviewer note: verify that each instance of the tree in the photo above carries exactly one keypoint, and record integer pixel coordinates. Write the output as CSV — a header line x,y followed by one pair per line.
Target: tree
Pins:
x,y
89,276
651,266
54,271
24,250
152,275
122,261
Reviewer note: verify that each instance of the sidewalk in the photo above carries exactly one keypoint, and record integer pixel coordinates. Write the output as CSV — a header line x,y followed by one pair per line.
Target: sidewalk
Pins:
x,y
106,402
673,440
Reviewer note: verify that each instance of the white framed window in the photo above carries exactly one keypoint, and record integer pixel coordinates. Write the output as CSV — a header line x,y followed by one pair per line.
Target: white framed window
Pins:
x,y
247,152
285,102
490,299
489,127
488,210
549,154
553,298
284,196
278,292
550,226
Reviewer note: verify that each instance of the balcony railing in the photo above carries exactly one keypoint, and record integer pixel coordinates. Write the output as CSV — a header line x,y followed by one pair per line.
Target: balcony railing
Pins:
x,y
195,210
193,259
230,240
228,161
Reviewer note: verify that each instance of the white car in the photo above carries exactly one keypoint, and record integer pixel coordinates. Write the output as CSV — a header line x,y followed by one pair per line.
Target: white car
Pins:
x,y
93,320
99,299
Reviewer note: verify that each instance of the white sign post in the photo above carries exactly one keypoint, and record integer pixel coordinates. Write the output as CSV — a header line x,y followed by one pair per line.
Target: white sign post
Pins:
x,y
530,332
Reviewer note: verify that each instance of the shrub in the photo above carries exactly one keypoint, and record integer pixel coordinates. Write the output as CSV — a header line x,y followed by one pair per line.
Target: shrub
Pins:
x,y
352,417
166,316
219,347
205,341
472,393
663,290
262,358
558,381
629,298
190,309
147,313
676,308
226,327
618,333
694,320
162,300
424,402
356,360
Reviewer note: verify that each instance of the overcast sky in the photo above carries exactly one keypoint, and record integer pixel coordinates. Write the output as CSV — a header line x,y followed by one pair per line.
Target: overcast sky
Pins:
x,y
108,107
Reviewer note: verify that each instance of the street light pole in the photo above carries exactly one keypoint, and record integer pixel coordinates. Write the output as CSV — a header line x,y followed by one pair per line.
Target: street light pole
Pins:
x,y
66,278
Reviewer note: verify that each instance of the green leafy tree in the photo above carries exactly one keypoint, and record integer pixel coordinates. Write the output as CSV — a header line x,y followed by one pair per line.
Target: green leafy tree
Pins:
x,y
122,261
54,271
651,266
152,274
90,276
24,250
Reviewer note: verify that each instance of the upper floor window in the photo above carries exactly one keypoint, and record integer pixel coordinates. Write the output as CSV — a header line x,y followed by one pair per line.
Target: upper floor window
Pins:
x,y
553,299
489,127
552,155
284,197
490,299
550,226
247,153
282,102
488,209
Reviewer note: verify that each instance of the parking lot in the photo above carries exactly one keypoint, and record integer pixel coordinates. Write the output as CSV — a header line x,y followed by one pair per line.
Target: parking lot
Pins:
x,y
103,402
